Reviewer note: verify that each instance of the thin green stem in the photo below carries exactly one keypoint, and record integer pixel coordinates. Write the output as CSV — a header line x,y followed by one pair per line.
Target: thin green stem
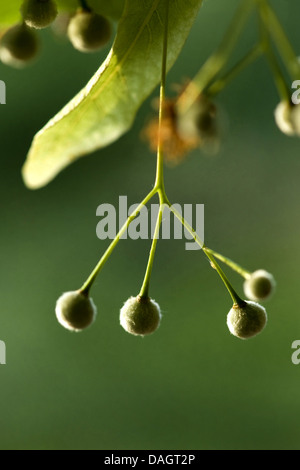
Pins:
x,y
188,227
279,78
223,82
234,266
243,272
144,293
88,284
216,62
280,38
159,183
236,299
159,186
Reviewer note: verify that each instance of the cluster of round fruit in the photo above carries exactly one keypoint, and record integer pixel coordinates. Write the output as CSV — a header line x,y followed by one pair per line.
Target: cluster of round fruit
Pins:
x,y
19,45
141,316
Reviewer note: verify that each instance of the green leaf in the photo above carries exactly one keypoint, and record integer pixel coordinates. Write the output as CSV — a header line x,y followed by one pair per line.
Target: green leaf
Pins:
x,y
105,109
10,12
10,9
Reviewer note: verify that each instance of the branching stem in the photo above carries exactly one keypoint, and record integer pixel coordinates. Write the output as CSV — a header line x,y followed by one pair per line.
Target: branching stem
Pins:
x,y
208,72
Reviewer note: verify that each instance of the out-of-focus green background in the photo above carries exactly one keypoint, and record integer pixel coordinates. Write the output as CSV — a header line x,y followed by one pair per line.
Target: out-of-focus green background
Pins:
x,y
191,385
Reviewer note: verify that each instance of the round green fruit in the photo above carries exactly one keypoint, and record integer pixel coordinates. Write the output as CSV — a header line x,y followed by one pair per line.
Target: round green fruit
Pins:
x,y
259,285
199,121
140,316
246,320
18,46
89,32
75,311
39,13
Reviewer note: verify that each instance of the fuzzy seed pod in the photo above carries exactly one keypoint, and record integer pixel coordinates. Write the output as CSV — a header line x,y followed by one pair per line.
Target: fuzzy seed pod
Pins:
x,y
140,316
39,14
18,46
88,31
287,117
259,285
75,311
199,121
246,320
